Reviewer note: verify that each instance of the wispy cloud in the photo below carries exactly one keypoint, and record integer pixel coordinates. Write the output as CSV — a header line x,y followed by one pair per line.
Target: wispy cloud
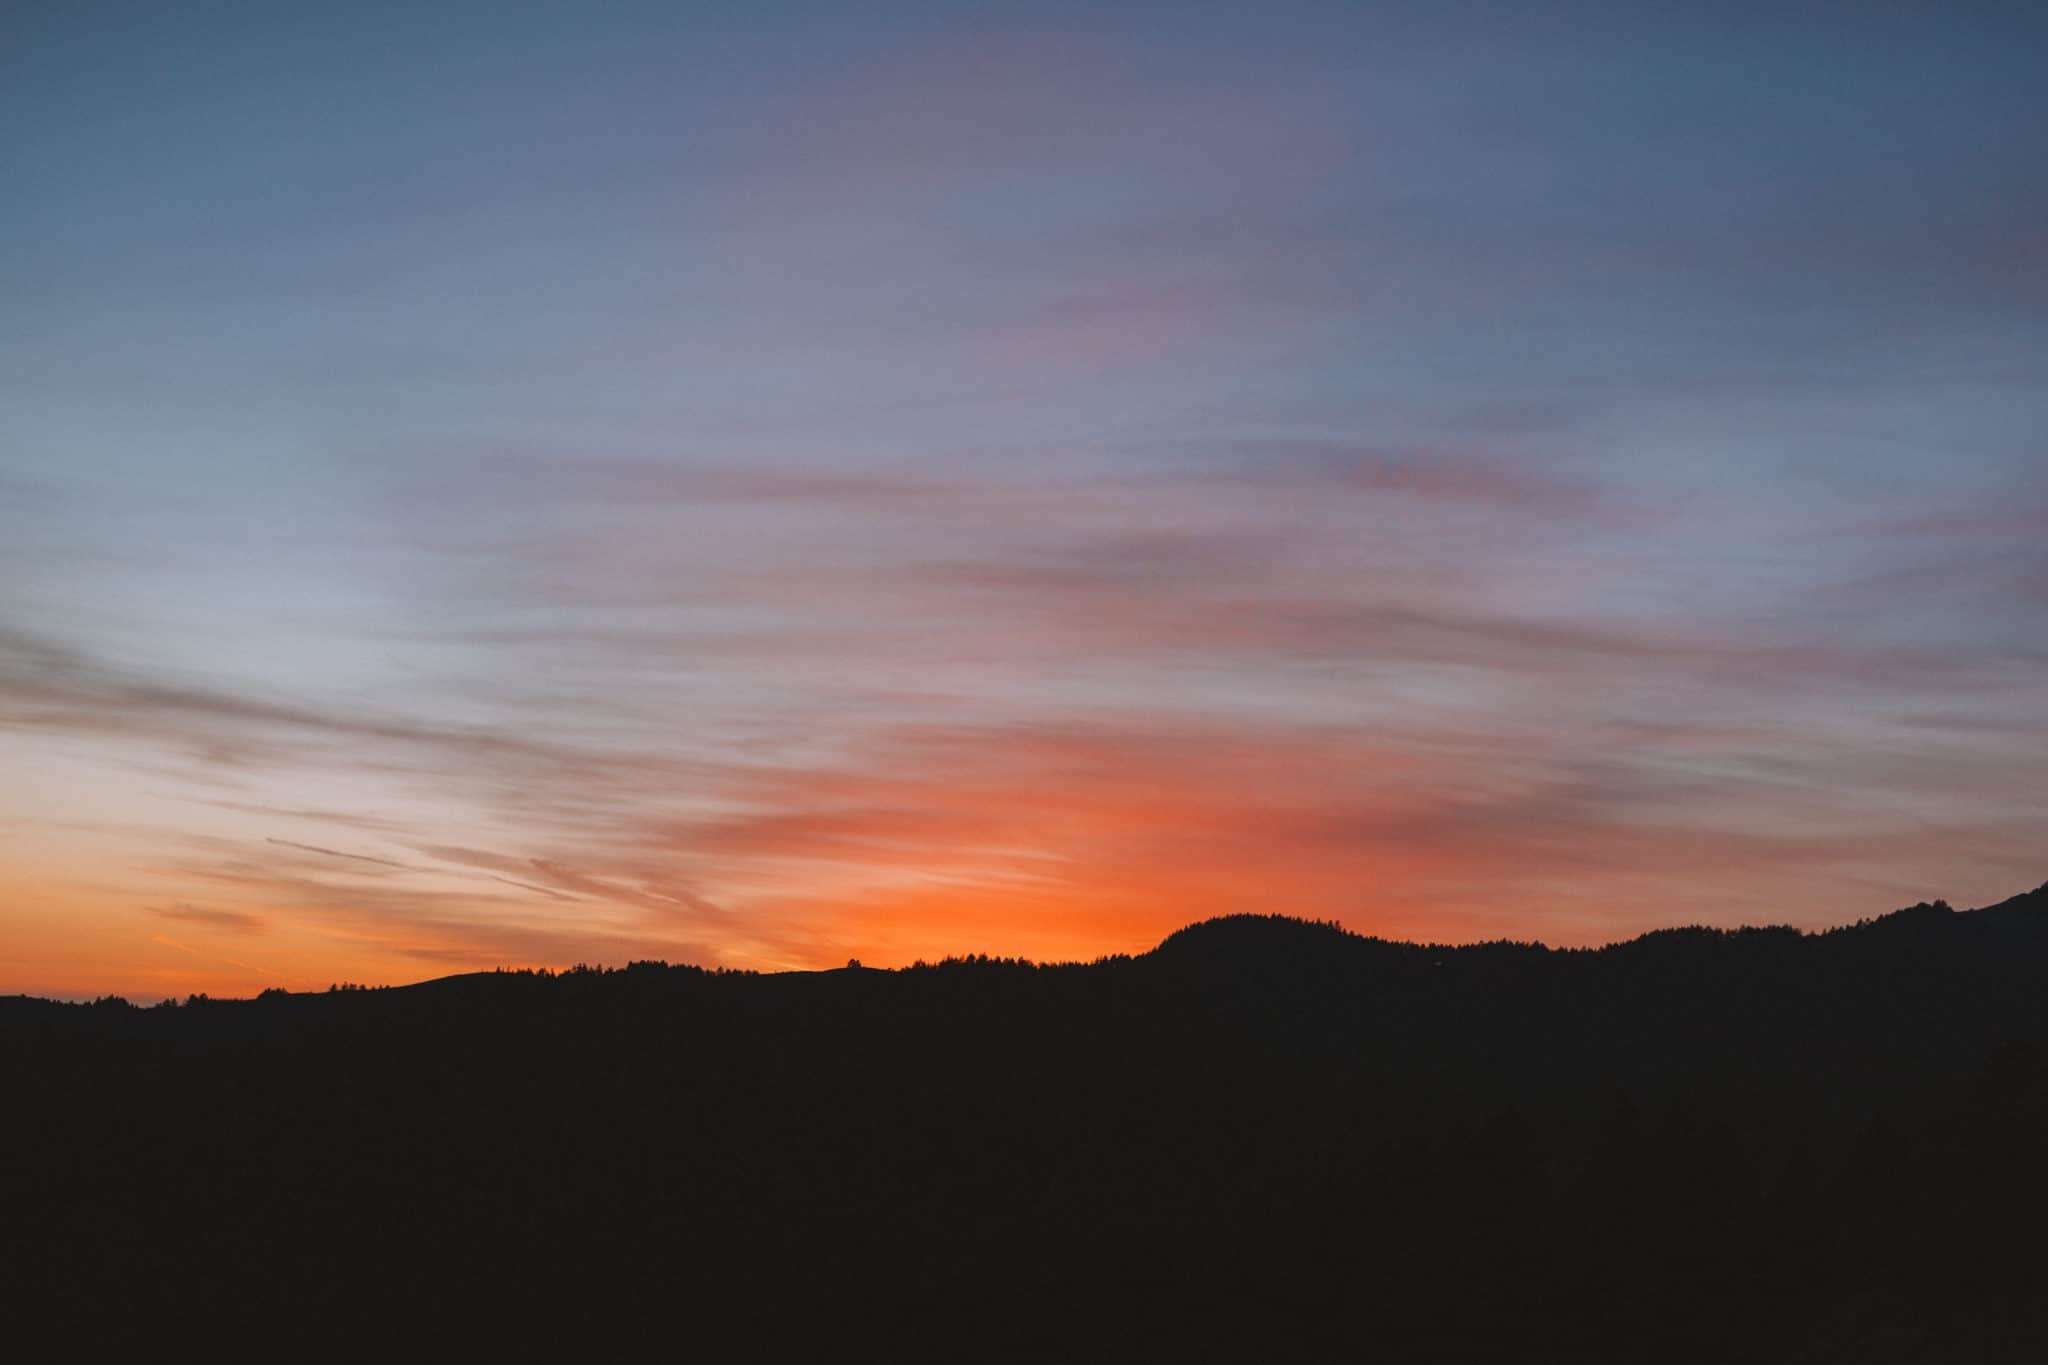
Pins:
x,y
236,920
782,715
336,853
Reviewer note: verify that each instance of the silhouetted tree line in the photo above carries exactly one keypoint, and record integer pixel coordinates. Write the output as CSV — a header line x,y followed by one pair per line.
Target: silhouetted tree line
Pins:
x,y
1266,1139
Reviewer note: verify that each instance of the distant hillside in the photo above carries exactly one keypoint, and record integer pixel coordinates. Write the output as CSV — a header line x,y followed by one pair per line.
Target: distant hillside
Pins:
x,y
1265,1139
2028,910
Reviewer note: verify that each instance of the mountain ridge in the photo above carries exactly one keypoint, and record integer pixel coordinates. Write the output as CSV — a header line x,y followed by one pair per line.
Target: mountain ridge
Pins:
x,y
1243,937
1264,1139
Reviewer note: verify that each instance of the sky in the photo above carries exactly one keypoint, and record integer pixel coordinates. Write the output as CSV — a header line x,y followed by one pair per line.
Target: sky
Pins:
x,y
764,484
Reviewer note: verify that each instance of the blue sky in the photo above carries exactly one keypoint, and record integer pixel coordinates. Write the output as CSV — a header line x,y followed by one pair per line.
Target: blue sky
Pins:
x,y
765,483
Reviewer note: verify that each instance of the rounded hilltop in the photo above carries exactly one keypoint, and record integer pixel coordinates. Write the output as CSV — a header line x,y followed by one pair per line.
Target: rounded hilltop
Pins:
x,y
1237,936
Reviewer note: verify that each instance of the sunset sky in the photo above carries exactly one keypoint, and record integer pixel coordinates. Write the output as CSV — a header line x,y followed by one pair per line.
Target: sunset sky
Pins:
x,y
760,484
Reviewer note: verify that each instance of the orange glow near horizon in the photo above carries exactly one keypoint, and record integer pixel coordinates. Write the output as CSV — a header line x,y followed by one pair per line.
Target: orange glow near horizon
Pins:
x,y
1052,843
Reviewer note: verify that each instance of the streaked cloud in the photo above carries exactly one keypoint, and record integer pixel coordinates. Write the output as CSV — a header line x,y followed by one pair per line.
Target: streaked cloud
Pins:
x,y
214,919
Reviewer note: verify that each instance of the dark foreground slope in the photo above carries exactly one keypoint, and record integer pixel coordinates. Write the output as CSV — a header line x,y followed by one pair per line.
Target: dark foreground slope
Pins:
x,y
1266,1139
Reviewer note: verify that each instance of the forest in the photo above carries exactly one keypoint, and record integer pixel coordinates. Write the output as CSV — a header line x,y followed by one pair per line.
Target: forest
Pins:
x,y
1267,1138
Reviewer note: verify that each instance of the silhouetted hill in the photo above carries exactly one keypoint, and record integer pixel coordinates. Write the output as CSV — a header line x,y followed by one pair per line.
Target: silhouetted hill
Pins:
x,y
1237,937
2029,910
1267,1138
